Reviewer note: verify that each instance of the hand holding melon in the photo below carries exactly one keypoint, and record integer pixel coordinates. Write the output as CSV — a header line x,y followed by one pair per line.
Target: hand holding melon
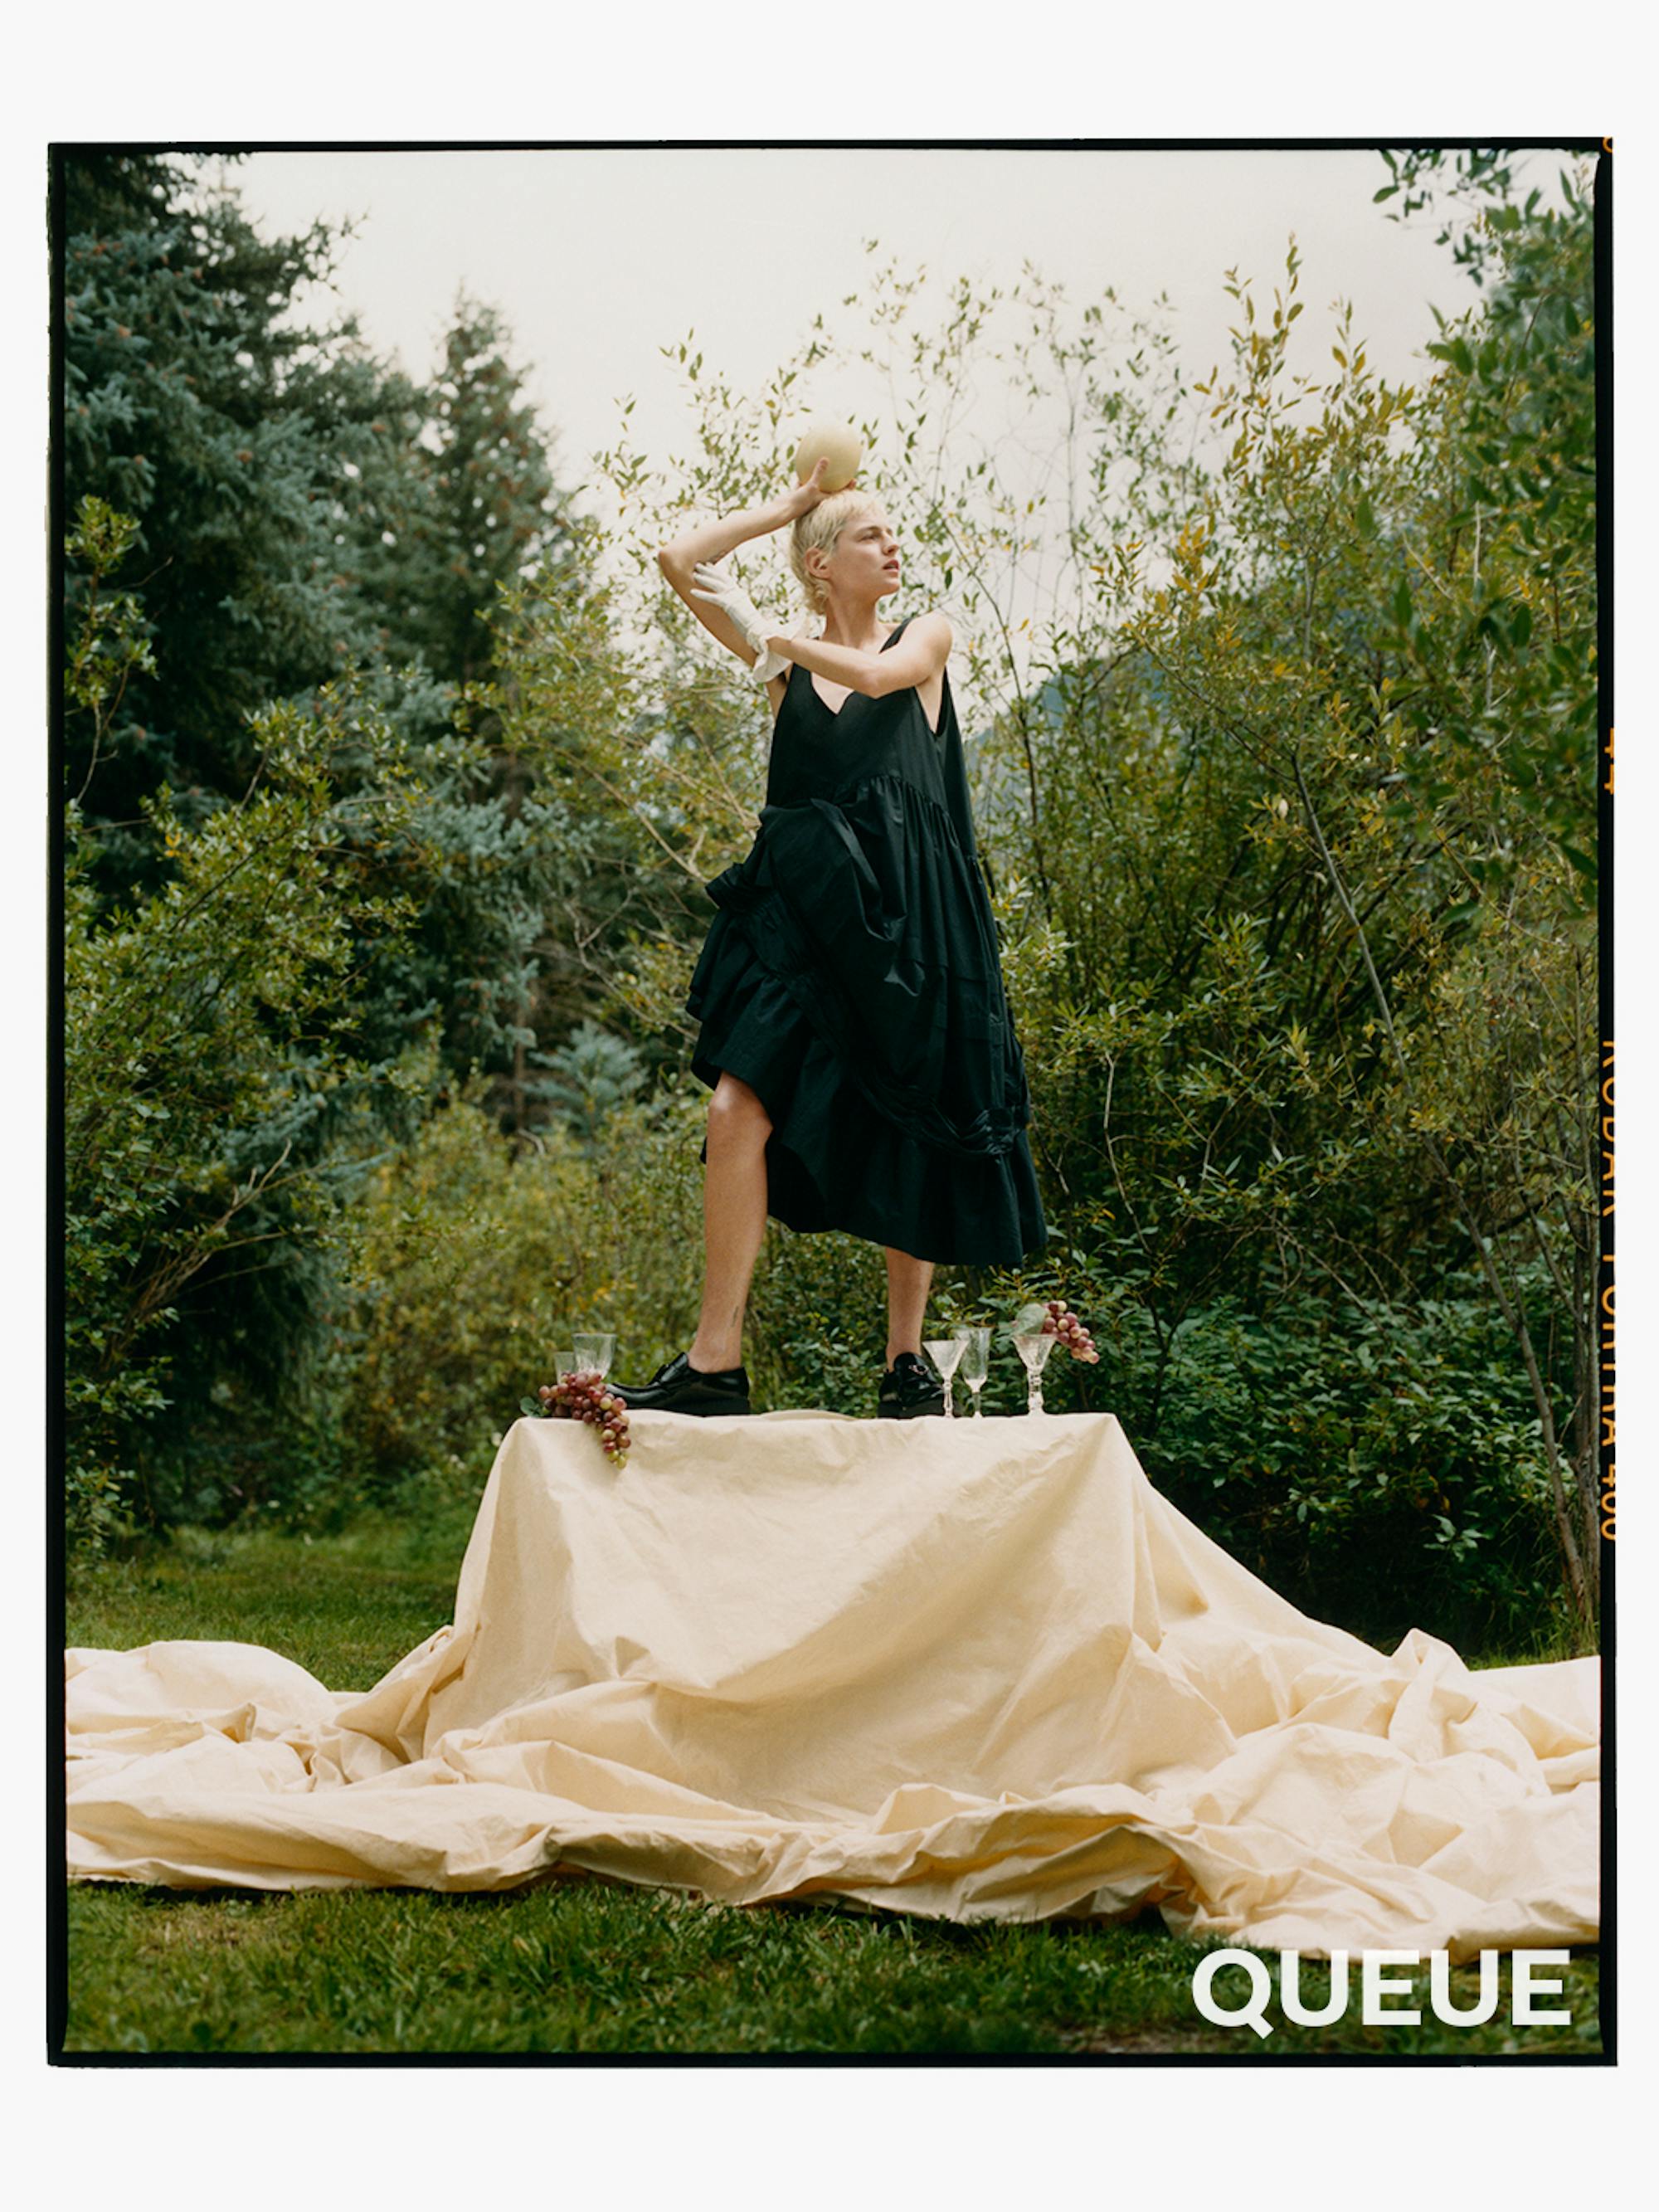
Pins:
x,y
826,460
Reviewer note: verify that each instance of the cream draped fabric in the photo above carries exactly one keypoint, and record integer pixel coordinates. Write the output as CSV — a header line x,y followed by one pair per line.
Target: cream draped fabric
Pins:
x,y
974,1668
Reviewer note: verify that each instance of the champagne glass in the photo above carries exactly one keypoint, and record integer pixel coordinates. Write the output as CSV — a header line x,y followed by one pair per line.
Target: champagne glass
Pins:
x,y
564,1362
1034,1347
594,1351
945,1351
975,1361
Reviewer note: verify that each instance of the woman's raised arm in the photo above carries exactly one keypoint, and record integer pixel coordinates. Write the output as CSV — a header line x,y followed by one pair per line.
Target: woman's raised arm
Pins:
x,y
713,541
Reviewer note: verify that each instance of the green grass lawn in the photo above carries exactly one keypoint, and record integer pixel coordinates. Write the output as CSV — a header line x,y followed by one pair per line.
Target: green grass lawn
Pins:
x,y
590,1966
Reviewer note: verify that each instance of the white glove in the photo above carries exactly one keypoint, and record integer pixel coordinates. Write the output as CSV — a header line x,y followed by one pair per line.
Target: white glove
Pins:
x,y
721,591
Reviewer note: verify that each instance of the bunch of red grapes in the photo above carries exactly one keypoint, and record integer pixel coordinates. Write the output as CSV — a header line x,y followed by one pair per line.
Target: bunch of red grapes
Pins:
x,y
585,1396
1059,1320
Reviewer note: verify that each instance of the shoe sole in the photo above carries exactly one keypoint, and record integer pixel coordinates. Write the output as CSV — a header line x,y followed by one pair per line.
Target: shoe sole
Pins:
x,y
701,1413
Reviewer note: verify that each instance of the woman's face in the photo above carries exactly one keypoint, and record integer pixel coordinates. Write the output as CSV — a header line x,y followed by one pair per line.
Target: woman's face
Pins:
x,y
865,563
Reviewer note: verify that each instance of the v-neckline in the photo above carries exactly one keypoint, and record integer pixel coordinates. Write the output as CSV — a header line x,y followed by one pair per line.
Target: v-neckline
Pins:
x,y
813,681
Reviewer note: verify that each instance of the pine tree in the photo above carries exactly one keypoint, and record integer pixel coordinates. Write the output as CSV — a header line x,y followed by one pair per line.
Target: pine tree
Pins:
x,y
494,515
196,403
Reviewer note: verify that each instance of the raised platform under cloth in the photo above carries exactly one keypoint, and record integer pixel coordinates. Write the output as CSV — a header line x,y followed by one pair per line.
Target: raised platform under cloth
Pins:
x,y
975,1668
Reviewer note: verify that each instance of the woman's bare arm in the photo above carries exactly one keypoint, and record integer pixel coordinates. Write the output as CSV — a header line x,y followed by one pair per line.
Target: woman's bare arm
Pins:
x,y
920,653
713,541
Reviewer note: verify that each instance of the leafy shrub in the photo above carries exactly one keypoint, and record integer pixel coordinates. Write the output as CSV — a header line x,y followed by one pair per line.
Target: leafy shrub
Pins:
x,y
817,1332
475,1260
213,1090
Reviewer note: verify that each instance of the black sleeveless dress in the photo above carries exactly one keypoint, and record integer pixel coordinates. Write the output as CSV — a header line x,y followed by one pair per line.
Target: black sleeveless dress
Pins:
x,y
851,978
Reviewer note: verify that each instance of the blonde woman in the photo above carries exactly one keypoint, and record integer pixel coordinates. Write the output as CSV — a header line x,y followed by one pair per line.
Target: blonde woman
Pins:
x,y
853,1028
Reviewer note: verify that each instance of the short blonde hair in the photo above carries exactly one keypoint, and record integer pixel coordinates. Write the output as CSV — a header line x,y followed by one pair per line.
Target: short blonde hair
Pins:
x,y
819,527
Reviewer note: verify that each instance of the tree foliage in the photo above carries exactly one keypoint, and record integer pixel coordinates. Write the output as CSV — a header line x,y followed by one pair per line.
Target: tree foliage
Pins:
x,y
303,889
221,1094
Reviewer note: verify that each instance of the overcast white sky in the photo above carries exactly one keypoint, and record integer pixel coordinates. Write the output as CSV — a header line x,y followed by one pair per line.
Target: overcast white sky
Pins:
x,y
598,259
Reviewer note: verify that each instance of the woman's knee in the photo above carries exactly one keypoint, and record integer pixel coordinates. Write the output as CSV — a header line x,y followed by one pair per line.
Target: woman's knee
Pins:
x,y
736,1110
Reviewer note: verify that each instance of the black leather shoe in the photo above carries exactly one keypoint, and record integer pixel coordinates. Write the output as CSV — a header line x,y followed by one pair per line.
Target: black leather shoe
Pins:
x,y
677,1387
910,1389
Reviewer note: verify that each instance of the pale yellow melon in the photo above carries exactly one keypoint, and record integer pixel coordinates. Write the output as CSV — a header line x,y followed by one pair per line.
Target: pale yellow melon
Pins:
x,y
836,441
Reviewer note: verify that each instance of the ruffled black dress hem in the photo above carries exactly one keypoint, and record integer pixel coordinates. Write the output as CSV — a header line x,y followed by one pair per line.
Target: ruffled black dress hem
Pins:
x,y
834,1161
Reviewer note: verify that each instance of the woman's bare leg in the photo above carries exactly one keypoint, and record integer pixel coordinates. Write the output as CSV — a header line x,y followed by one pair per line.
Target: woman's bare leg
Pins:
x,y
908,1284
733,1220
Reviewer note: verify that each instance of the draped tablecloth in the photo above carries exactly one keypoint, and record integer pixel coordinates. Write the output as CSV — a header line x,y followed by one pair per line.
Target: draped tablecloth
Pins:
x,y
975,1668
